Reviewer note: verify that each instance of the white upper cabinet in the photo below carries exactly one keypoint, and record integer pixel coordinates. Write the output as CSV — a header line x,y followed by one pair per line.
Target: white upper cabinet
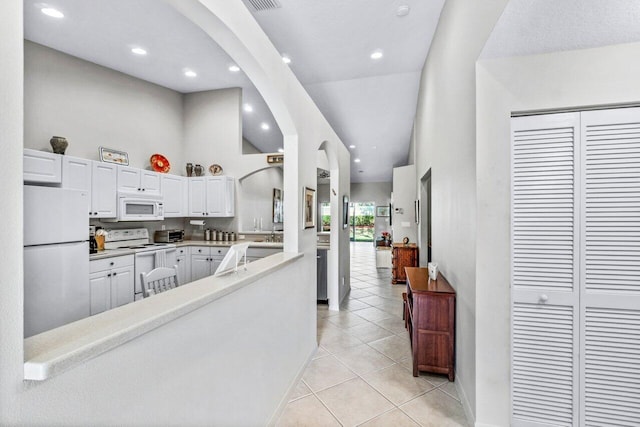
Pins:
x,y
134,180
76,175
175,195
211,196
103,190
96,178
41,167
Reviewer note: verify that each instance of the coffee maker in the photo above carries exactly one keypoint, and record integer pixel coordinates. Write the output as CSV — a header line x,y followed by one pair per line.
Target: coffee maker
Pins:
x,y
93,245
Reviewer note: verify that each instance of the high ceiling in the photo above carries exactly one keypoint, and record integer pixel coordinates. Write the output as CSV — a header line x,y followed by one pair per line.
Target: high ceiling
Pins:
x,y
369,103
529,27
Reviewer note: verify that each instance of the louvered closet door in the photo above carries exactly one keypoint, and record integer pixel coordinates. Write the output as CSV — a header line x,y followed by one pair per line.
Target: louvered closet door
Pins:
x,y
610,268
544,266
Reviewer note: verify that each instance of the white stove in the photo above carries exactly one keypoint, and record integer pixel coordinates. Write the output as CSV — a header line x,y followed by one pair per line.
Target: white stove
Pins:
x,y
148,256
136,239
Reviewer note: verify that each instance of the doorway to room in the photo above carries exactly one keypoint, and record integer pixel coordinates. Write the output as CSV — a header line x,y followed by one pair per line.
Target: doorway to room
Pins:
x,y
362,221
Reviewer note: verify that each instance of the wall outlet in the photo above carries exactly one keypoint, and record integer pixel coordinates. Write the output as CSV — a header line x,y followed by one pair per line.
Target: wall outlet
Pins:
x,y
164,227
240,236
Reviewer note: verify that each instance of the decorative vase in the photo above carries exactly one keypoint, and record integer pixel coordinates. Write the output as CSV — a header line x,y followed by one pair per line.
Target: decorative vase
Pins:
x,y
189,169
199,170
59,144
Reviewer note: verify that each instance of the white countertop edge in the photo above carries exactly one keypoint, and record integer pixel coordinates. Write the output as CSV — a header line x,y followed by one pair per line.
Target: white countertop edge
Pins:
x,y
55,351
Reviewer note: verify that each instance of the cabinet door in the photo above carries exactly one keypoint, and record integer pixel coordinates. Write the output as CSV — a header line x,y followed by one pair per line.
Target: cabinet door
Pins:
x,y
229,197
197,197
103,190
76,175
200,266
42,167
175,196
128,179
121,286
170,257
100,292
181,262
215,196
150,182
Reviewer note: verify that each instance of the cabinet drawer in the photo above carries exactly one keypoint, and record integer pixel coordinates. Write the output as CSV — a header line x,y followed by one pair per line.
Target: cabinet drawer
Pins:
x,y
110,263
219,252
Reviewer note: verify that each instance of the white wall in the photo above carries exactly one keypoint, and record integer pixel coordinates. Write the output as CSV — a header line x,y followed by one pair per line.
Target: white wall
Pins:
x,y
11,136
404,196
445,143
378,192
602,76
255,199
93,106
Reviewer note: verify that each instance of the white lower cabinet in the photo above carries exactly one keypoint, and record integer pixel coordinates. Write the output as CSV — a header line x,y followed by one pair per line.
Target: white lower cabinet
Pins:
x,y
111,283
205,260
183,261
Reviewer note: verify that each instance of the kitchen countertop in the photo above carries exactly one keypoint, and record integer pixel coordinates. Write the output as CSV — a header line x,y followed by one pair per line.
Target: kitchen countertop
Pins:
x,y
252,244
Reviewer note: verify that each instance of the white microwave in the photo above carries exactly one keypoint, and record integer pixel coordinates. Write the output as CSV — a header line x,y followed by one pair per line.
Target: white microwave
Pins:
x,y
135,207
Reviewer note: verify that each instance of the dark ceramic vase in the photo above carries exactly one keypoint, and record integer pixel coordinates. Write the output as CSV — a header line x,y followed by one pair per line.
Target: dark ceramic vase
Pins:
x,y
189,169
59,144
199,170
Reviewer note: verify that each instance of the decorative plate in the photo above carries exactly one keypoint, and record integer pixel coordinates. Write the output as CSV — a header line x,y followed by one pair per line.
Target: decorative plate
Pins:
x,y
215,169
159,163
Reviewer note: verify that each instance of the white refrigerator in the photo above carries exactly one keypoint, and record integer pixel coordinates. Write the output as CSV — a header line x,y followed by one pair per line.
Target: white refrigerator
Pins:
x,y
56,258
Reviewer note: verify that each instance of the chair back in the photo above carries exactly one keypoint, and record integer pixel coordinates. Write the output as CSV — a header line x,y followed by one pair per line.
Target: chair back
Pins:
x,y
159,280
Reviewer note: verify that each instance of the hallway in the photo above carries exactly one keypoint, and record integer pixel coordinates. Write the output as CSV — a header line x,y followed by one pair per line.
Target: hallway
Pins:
x,y
361,373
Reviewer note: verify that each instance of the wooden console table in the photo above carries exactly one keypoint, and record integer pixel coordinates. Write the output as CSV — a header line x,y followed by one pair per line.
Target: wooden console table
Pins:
x,y
402,256
430,313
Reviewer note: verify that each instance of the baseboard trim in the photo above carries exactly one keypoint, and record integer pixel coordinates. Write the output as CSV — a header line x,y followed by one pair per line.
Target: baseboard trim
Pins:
x,y
471,418
285,399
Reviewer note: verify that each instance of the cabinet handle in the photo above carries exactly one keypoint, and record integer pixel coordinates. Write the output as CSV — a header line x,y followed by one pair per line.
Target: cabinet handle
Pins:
x,y
95,213
111,263
143,189
544,298
114,274
109,275
200,250
178,260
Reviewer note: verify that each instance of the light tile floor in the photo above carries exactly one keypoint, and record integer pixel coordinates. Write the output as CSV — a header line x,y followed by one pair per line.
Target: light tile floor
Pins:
x,y
362,373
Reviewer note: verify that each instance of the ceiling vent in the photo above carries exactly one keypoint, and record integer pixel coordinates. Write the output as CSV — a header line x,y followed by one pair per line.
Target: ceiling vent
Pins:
x,y
262,5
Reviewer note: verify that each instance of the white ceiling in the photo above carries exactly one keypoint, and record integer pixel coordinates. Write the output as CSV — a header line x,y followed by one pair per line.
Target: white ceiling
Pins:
x,y
529,27
369,103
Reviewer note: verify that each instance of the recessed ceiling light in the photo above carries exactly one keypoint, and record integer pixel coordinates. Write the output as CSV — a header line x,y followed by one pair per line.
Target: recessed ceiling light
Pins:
x,y
248,108
234,68
286,59
352,146
356,160
360,171
190,73
403,10
54,13
264,126
139,51
280,150
377,54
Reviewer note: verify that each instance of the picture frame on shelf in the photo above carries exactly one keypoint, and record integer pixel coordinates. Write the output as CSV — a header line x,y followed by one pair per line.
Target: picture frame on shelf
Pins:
x,y
109,155
382,211
309,207
278,206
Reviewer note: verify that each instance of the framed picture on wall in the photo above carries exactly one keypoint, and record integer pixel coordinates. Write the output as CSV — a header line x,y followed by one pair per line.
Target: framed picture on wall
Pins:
x,y
309,213
382,210
278,207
